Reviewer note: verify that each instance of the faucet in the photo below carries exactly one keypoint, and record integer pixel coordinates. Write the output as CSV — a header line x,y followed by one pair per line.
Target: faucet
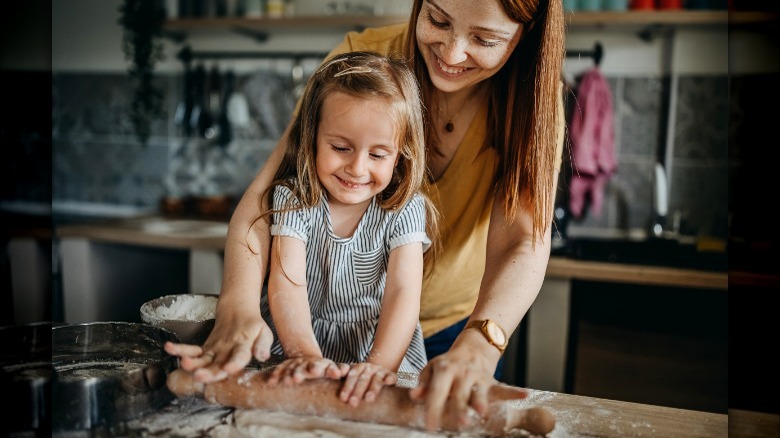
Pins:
x,y
660,201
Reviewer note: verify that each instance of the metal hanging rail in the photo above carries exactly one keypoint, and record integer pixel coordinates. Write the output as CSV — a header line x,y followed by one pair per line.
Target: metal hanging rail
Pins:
x,y
596,53
186,55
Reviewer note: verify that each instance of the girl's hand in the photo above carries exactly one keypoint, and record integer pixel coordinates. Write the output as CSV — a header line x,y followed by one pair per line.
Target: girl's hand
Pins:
x,y
460,379
229,348
297,369
364,381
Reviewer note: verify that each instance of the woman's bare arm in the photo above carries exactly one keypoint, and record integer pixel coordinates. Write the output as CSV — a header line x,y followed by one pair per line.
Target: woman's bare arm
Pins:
x,y
239,332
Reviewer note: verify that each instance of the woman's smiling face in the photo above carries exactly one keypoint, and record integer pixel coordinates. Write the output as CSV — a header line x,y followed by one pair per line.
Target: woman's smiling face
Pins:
x,y
464,41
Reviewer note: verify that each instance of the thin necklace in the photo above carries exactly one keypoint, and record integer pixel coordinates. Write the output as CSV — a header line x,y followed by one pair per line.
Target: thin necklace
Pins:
x,y
449,125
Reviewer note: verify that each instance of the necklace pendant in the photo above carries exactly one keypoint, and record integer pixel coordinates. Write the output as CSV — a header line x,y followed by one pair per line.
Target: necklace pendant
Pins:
x,y
449,127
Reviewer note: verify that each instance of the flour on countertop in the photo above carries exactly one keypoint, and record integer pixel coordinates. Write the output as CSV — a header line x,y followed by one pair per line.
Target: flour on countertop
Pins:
x,y
182,308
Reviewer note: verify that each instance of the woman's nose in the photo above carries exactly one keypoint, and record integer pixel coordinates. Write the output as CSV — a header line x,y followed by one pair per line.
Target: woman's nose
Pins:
x,y
453,50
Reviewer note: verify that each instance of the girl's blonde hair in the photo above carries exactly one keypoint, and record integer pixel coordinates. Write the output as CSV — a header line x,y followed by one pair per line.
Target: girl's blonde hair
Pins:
x,y
365,75
523,109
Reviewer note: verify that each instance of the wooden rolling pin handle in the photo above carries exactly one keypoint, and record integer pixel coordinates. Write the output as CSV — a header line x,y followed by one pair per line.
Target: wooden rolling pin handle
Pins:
x,y
250,390
536,421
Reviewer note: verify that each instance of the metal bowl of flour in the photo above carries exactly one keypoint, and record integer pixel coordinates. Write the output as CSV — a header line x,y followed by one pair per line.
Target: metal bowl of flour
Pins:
x,y
105,373
190,316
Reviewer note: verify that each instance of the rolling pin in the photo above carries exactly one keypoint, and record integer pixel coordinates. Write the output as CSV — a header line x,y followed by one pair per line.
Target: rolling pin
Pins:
x,y
393,406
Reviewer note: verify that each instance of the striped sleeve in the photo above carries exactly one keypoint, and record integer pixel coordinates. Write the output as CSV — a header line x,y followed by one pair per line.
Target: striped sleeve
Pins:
x,y
409,225
289,218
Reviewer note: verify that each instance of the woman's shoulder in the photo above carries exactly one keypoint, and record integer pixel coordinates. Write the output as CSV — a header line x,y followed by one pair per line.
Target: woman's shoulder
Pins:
x,y
387,40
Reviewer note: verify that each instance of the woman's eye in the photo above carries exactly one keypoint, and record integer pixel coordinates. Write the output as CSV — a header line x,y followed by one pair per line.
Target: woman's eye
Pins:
x,y
487,42
436,23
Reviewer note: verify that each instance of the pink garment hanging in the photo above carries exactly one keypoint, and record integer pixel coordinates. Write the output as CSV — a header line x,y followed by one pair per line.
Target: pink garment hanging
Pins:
x,y
592,133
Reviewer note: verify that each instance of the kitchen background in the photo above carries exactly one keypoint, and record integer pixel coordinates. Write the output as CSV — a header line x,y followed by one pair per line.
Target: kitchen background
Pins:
x,y
699,98
97,161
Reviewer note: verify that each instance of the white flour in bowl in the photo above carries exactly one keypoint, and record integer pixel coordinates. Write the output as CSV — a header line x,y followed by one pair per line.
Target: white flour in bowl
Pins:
x,y
179,308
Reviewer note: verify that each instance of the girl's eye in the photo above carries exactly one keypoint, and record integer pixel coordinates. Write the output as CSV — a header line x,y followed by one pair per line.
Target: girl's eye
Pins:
x,y
436,23
378,156
339,148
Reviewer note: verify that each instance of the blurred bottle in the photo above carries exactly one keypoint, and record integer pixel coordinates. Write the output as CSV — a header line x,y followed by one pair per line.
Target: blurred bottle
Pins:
x,y
275,8
172,9
615,5
254,8
643,5
669,4
589,5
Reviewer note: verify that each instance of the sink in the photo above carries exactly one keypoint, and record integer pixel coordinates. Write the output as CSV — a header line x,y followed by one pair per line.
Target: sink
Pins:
x,y
654,252
185,227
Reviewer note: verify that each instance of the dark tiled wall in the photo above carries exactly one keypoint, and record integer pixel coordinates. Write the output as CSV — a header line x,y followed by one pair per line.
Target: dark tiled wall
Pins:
x,y
698,169
96,157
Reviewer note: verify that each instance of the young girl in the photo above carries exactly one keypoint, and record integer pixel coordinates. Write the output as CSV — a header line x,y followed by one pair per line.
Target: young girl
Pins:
x,y
348,226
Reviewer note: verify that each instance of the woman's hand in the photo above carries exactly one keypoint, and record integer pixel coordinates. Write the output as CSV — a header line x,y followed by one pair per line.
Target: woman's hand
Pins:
x,y
229,348
364,382
298,369
461,379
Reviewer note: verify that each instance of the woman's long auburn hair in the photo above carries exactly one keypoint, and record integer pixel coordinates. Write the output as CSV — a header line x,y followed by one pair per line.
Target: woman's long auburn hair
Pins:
x,y
524,112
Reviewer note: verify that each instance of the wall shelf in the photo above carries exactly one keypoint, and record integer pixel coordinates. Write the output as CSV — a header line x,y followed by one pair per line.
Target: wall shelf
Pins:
x,y
678,18
619,20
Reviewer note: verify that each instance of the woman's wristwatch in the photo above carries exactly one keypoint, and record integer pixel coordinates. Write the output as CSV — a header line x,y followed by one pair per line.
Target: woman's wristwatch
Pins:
x,y
492,332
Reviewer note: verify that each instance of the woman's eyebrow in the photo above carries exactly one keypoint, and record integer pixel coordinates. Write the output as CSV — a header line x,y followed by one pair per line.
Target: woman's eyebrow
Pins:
x,y
438,8
433,4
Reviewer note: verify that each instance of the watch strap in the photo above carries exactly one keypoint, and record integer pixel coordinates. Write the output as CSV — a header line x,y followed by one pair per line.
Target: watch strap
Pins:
x,y
482,324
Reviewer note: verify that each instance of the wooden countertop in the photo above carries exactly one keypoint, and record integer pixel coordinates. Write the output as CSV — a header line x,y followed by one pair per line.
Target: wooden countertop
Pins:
x,y
159,231
580,416
154,231
576,416
572,269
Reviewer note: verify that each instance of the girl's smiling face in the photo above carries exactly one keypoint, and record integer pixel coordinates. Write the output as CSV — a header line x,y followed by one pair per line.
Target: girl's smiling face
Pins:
x,y
464,41
356,147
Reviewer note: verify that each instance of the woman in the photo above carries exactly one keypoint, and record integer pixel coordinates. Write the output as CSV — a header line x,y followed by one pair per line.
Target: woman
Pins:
x,y
489,73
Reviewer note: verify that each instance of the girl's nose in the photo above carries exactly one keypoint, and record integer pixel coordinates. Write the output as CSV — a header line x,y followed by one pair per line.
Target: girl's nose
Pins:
x,y
357,165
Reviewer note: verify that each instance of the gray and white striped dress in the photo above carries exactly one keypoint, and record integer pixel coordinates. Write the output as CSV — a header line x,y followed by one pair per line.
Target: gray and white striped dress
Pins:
x,y
346,276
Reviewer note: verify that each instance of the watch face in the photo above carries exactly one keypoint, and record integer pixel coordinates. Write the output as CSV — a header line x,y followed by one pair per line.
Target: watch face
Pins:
x,y
496,333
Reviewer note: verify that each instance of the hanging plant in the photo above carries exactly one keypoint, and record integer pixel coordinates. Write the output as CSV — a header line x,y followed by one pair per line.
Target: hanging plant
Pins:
x,y
142,23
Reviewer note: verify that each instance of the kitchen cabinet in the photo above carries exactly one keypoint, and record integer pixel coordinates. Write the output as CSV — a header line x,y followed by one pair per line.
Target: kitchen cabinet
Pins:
x,y
549,316
110,268
26,271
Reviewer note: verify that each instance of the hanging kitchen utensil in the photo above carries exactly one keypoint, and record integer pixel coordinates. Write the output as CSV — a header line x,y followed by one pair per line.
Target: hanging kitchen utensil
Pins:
x,y
184,108
212,94
238,109
198,86
297,78
225,132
